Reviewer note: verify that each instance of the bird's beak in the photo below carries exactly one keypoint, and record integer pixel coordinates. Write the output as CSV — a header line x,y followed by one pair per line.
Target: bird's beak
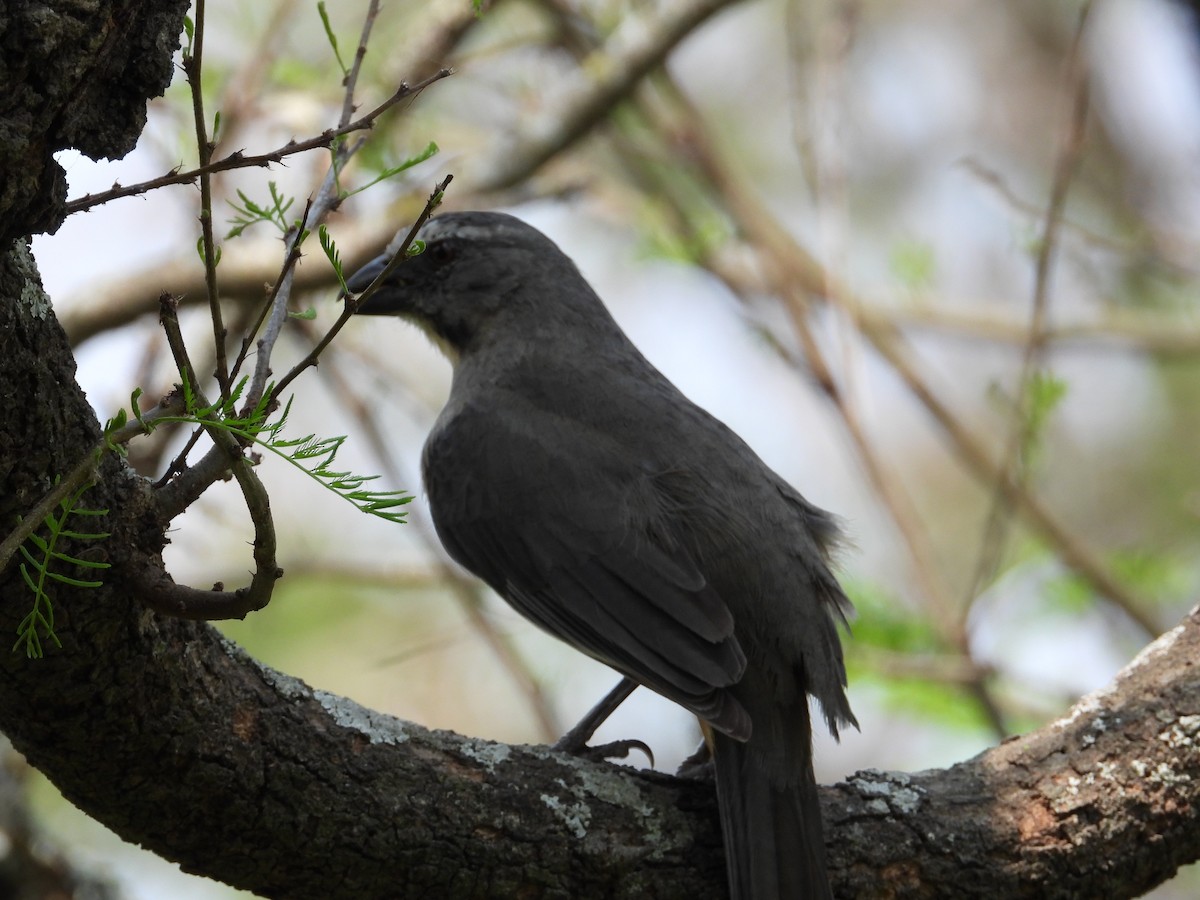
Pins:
x,y
361,280
386,299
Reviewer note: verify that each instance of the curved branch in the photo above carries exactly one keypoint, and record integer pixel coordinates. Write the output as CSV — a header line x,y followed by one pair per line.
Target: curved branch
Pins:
x,y
160,591
203,748
1103,802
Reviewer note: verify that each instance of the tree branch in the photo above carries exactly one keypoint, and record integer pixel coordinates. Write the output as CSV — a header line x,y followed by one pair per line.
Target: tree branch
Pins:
x,y
158,589
240,160
643,47
204,747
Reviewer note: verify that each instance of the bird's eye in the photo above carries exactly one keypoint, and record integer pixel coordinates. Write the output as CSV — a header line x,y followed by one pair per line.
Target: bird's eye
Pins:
x,y
439,252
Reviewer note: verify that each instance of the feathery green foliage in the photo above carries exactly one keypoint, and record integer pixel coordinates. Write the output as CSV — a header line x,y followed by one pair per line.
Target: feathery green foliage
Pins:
x,y
331,37
42,566
251,213
312,455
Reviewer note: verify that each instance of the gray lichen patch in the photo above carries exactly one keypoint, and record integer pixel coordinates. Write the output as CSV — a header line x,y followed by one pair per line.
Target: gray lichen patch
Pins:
x,y
375,726
32,294
888,792
575,815
488,754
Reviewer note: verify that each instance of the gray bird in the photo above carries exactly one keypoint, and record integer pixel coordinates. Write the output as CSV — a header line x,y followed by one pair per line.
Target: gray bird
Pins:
x,y
571,476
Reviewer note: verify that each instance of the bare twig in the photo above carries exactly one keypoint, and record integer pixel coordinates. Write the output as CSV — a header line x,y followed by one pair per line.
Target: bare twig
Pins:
x,y
1014,460
360,54
193,64
1142,334
240,160
352,304
1182,264
80,474
640,49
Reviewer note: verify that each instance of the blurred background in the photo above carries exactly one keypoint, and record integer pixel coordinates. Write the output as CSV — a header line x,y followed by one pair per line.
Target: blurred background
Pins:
x,y
935,260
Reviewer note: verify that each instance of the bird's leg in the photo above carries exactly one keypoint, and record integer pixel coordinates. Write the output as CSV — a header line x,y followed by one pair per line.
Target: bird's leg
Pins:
x,y
576,740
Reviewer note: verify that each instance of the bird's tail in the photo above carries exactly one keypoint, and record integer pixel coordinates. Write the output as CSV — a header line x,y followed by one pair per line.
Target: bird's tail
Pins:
x,y
774,845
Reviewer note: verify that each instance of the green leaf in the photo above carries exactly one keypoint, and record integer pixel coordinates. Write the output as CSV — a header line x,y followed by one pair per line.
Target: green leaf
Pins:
x,y
310,454
331,37
87,536
39,543
39,570
25,574
76,561
1044,394
251,212
914,264
392,170
73,582
189,29
200,251
331,253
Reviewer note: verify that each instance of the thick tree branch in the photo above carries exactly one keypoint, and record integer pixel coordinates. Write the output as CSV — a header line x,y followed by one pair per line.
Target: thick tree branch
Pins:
x,y
205,748
1103,802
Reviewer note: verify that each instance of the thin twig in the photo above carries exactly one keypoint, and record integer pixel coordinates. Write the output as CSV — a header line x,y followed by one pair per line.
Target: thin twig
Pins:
x,y
193,65
1088,236
646,45
351,81
994,539
275,311
240,160
352,304
83,472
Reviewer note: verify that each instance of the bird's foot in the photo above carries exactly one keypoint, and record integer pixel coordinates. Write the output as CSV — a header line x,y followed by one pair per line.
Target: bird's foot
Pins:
x,y
698,765
576,740
603,752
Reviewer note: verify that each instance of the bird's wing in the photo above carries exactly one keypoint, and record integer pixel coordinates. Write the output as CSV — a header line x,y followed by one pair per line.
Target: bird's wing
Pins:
x,y
576,540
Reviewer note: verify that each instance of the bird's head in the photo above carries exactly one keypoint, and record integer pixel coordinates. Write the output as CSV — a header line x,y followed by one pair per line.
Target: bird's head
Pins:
x,y
481,274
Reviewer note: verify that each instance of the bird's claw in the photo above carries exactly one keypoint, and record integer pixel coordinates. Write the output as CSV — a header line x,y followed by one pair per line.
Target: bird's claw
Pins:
x,y
603,752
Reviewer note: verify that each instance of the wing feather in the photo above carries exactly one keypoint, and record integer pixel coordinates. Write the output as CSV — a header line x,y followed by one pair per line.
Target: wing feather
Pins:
x,y
600,571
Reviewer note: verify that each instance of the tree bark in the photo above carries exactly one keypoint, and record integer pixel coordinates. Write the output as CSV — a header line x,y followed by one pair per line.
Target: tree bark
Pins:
x,y
1102,802
176,740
